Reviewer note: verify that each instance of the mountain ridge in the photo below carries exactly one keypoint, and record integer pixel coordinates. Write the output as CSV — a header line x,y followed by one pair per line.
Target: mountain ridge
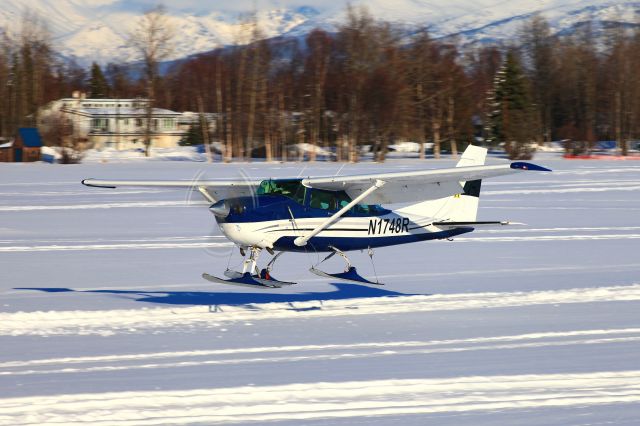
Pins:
x,y
96,30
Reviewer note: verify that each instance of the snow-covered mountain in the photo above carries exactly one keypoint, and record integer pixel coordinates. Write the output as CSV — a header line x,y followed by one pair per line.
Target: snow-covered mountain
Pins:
x,y
97,30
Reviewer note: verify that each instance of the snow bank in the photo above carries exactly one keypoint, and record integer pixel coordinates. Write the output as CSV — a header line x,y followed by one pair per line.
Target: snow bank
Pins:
x,y
182,153
309,401
109,322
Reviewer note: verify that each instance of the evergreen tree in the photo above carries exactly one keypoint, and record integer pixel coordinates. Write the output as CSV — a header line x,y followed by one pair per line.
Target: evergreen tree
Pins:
x,y
193,136
98,86
511,113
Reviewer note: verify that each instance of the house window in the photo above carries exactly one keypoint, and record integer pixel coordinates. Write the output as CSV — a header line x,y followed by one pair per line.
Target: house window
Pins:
x,y
168,124
99,124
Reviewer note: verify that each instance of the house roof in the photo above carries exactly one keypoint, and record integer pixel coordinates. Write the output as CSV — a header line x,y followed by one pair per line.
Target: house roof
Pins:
x,y
30,137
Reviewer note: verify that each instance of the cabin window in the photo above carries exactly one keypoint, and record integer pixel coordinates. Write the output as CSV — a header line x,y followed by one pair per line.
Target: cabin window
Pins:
x,y
335,200
289,188
328,200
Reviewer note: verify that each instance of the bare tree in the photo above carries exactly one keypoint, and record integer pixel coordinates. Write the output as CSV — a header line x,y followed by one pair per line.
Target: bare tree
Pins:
x,y
58,131
152,41
538,49
317,64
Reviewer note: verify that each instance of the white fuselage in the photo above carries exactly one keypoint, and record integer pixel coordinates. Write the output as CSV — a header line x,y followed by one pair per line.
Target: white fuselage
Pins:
x,y
358,231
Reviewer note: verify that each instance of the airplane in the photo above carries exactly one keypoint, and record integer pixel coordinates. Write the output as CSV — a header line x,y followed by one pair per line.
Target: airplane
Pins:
x,y
338,214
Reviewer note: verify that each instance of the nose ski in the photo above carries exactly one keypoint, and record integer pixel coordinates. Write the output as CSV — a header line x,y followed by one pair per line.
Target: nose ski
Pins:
x,y
247,280
250,275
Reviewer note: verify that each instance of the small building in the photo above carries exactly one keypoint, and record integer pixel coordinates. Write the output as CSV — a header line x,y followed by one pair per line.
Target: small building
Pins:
x,y
6,151
26,147
116,123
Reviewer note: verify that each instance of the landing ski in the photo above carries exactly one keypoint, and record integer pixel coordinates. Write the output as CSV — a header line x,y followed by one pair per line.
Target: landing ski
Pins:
x,y
246,280
350,275
273,281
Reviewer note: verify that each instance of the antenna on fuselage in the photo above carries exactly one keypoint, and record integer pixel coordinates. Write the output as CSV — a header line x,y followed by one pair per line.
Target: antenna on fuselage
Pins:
x,y
293,220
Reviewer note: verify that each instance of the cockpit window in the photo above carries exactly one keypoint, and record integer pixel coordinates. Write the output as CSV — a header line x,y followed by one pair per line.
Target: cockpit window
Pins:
x,y
289,188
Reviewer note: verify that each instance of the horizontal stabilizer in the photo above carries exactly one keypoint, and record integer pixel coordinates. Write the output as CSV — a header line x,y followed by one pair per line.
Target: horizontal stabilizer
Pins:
x,y
482,224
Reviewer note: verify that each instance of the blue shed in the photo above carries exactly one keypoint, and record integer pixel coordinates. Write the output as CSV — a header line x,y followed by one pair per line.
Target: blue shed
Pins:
x,y
27,145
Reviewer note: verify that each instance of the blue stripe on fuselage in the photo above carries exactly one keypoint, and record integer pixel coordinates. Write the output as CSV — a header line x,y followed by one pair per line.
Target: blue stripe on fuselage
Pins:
x,y
350,243
264,208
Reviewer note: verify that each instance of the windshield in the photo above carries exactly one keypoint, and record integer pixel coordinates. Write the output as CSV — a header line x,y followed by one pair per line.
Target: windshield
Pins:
x,y
289,188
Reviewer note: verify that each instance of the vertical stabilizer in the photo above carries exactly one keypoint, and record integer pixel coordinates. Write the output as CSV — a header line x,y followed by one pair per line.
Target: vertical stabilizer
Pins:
x,y
473,156
461,207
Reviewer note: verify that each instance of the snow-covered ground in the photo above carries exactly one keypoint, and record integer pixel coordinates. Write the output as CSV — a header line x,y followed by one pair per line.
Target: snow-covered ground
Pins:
x,y
104,318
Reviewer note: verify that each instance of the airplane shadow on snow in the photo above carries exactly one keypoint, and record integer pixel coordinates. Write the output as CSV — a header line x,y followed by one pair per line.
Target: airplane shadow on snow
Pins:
x,y
341,292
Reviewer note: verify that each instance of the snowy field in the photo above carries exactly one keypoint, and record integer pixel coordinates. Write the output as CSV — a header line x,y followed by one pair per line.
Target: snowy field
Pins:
x,y
105,320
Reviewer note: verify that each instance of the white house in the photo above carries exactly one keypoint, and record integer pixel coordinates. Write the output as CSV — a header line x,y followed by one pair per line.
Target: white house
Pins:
x,y
116,123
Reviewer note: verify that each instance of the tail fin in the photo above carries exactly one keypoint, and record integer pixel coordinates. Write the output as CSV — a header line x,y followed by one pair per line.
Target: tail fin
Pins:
x,y
461,207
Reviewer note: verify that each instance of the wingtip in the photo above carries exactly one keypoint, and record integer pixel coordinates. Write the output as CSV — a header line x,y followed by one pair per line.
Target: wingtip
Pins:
x,y
87,182
521,165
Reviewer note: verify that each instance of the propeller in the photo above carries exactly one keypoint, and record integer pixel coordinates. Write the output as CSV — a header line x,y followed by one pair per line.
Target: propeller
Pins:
x,y
220,207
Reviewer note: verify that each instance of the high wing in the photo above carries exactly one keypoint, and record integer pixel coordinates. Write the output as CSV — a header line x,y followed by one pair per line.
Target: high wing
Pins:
x,y
400,187
214,189
397,187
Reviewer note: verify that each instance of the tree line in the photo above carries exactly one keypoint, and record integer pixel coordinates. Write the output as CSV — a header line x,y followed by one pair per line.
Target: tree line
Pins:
x,y
369,83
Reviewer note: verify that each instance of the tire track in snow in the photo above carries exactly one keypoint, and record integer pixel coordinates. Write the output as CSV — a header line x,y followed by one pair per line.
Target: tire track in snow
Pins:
x,y
99,205
561,191
323,400
79,193
176,244
57,241
543,238
618,267
564,229
278,354
109,322
122,246
597,171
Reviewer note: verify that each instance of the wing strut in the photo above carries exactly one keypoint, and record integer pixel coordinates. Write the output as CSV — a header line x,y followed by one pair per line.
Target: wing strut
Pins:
x,y
206,194
301,241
